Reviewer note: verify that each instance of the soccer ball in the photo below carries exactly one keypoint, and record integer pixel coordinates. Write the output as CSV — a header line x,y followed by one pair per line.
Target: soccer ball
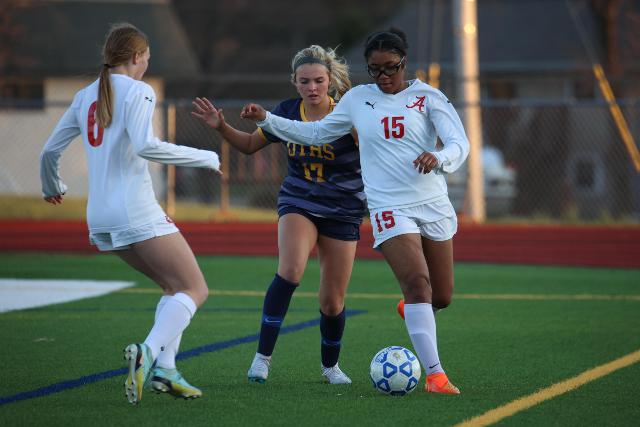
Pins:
x,y
395,371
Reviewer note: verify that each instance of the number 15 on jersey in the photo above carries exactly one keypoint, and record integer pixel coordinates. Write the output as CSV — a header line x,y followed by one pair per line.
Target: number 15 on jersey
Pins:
x,y
393,127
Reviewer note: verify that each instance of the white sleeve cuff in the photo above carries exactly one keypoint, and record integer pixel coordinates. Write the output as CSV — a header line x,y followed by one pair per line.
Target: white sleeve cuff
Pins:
x,y
439,169
265,121
215,161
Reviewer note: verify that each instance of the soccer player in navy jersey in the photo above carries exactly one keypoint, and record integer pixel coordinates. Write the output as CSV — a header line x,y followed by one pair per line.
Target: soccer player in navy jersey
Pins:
x,y
398,122
321,202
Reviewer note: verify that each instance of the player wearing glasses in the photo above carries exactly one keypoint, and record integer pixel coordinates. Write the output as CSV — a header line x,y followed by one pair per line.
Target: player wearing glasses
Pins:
x,y
398,123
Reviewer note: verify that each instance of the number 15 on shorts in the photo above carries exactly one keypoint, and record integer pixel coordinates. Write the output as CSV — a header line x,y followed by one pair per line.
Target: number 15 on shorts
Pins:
x,y
384,219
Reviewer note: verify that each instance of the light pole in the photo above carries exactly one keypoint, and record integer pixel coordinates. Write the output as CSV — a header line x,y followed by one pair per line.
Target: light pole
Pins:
x,y
465,28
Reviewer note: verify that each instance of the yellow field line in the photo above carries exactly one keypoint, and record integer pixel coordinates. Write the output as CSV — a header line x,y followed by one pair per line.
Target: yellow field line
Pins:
x,y
495,415
355,295
551,297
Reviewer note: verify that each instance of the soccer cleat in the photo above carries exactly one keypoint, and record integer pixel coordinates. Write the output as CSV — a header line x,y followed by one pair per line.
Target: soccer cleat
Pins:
x,y
259,370
334,375
171,381
400,308
439,383
139,359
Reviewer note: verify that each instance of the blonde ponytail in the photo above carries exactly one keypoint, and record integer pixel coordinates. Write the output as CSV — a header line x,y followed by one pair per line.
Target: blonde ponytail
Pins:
x,y
104,110
123,41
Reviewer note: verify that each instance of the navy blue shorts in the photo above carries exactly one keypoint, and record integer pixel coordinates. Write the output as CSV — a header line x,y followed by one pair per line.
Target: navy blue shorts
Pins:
x,y
339,230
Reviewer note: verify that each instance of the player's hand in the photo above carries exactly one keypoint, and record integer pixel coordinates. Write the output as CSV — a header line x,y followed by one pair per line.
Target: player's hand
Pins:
x,y
425,162
253,112
54,200
205,111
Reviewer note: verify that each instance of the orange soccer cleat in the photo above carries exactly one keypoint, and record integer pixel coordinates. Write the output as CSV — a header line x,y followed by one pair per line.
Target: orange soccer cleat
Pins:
x,y
439,383
401,308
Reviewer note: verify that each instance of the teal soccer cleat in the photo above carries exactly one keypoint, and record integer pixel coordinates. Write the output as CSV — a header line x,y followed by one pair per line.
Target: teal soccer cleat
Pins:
x,y
171,381
139,359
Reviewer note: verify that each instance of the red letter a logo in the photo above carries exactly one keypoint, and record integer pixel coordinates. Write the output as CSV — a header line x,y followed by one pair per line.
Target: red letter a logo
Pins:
x,y
419,103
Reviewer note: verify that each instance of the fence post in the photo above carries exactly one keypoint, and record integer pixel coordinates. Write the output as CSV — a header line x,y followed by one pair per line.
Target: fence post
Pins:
x,y
171,169
224,179
465,25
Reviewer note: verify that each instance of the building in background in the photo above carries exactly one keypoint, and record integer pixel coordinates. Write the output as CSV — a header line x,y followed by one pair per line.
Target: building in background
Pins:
x,y
541,105
50,50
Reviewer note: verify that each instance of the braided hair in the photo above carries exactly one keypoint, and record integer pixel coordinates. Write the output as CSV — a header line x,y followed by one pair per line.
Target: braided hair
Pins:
x,y
391,40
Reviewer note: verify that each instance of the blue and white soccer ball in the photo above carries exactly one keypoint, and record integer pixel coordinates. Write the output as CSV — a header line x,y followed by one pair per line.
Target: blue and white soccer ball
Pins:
x,y
395,371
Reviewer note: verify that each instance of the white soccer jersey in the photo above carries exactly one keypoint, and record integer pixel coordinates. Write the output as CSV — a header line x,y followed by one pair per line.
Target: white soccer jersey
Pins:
x,y
120,189
393,129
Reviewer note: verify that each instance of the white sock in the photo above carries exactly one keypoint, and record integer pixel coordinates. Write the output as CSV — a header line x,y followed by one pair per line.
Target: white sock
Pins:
x,y
161,303
167,357
421,325
172,319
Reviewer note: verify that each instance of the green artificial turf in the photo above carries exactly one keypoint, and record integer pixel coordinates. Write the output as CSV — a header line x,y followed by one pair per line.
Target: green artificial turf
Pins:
x,y
496,341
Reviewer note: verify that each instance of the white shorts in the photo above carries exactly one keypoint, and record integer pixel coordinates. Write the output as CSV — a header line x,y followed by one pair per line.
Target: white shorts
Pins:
x,y
120,240
435,221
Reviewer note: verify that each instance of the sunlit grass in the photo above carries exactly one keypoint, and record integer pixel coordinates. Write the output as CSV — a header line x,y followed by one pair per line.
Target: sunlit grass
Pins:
x,y
14,207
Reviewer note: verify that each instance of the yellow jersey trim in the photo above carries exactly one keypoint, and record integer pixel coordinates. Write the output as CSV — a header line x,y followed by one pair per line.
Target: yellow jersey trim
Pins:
x,y
261,132
332,104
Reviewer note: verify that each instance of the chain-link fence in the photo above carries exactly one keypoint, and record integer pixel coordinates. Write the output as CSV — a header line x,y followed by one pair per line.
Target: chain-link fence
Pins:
x,y
542,161
248,180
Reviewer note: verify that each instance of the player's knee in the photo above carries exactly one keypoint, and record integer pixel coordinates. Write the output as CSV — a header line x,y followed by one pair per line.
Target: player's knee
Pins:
x,y
442,294
441,302
198,291
332,307
200,294
204,293
416,288
291,273
417,281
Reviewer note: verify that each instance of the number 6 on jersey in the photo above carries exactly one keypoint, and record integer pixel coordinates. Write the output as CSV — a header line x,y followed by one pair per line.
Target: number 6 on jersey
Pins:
x,y
92,124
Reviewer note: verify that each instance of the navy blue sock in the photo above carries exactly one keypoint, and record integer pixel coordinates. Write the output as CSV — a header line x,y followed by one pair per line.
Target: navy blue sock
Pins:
x,y
276,304
331,329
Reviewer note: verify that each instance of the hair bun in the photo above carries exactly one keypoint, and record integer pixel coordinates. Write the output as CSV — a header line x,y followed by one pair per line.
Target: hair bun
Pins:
x,y
398,32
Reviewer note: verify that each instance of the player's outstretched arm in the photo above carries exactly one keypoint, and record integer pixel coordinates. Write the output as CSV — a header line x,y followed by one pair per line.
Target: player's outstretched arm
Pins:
x,y
335,124
138,123
247,143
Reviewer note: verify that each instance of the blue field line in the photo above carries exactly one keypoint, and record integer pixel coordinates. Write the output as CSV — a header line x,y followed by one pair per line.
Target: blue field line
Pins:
x,y
209,348
153,309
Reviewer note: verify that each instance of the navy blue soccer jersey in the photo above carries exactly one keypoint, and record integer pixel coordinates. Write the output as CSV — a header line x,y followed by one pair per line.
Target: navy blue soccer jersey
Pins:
x,y
322,180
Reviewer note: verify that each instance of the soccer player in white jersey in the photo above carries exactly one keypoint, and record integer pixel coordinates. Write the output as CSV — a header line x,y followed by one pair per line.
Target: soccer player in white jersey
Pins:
x,y
113,115
413,221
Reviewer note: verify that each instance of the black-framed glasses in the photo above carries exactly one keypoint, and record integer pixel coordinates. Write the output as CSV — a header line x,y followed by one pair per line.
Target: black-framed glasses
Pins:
x,y
387,71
